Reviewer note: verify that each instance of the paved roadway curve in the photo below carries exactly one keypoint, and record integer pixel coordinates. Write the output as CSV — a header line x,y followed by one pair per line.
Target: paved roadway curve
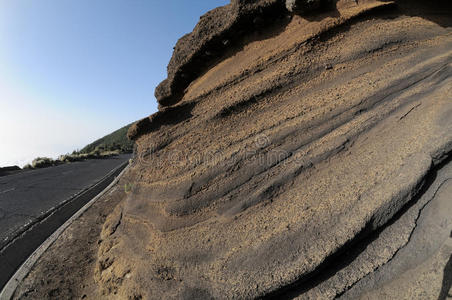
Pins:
x,y
26,196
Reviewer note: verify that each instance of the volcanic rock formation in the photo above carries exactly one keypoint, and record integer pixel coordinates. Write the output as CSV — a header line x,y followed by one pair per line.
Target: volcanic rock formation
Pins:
x,y
289,153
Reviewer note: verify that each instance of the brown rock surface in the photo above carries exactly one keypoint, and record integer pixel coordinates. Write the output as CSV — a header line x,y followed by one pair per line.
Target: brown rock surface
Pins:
x,y
293,164
292,146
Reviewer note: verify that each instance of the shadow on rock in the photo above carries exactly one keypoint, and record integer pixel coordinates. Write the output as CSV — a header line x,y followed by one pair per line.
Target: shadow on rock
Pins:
x,y
167,116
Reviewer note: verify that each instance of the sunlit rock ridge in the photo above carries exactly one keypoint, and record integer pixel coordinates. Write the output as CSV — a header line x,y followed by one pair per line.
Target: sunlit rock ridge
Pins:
x,y
292,144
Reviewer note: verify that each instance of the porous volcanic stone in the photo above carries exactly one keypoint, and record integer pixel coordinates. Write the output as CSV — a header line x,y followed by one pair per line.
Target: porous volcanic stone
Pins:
x,y
270,164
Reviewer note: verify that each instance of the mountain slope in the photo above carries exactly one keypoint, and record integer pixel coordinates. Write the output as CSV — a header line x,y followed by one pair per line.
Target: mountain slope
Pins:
x,y
113,141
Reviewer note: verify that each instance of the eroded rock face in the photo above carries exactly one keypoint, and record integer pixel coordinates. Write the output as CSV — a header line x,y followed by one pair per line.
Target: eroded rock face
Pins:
x,y
215,31
295,145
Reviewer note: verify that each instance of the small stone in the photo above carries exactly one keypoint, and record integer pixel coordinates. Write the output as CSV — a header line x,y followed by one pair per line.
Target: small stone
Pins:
x,y
302,6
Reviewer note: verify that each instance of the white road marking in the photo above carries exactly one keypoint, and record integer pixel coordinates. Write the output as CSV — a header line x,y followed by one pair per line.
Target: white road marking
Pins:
x,y
6,191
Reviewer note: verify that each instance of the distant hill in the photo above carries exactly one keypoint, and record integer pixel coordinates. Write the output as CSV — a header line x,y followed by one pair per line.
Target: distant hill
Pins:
x,y
9,170
114,141
110,145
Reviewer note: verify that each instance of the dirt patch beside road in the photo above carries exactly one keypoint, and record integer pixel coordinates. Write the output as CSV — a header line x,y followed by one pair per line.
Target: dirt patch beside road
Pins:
x,y
66,269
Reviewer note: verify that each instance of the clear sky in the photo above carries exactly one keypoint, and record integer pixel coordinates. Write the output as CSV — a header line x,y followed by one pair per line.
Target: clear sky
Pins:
x,y
72,71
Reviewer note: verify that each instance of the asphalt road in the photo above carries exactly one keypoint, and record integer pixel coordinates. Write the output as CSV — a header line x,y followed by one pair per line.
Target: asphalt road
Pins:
x,y
27,196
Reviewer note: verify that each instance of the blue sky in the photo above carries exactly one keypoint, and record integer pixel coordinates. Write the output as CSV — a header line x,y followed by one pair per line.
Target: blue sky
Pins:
x,y
72,71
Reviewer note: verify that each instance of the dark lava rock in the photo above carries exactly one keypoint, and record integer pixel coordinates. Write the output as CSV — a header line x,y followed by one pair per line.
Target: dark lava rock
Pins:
x,y
215,29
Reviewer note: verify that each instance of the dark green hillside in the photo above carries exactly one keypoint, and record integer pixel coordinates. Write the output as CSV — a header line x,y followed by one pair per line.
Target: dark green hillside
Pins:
x,y
114,141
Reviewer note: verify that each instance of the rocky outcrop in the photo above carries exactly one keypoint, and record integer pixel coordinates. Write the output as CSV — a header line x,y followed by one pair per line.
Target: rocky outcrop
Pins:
x,y
216,31
279,166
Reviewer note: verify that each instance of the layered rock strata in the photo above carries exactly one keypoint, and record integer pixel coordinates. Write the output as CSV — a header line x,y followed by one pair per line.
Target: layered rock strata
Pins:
x,y
294,146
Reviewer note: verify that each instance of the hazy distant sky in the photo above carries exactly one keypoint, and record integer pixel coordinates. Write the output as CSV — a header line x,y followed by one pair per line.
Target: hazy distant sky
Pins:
x,y
72,71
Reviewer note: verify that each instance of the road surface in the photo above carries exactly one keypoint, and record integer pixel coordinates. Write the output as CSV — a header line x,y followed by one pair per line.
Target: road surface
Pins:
x,y
25,197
